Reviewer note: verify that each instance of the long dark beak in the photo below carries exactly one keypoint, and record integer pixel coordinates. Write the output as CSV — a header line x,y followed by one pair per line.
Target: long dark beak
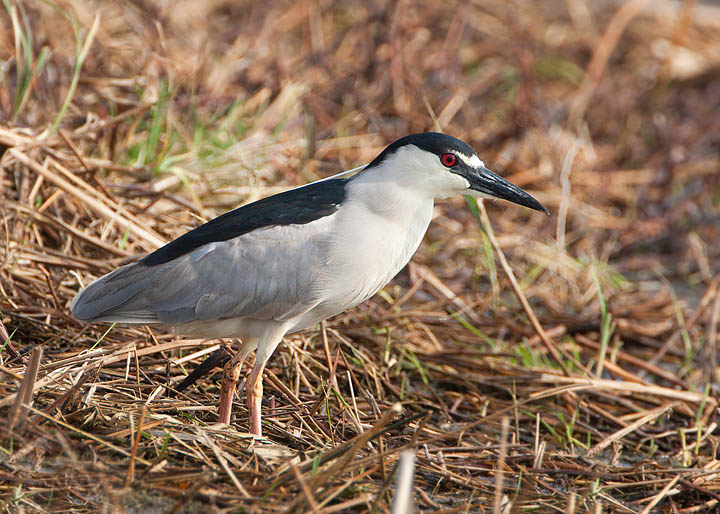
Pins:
x,y
487,182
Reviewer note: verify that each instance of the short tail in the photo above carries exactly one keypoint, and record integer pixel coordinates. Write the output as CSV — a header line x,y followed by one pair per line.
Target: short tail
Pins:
x,y
118,296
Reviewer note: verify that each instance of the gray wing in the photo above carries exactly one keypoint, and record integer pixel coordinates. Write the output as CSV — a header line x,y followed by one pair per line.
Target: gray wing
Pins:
x,y
269,273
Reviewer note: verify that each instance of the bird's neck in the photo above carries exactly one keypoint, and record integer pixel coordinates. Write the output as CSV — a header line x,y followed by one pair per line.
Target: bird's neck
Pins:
x,y
390,198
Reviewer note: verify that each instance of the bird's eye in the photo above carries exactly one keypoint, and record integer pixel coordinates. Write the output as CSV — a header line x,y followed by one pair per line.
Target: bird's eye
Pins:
x,y
449,159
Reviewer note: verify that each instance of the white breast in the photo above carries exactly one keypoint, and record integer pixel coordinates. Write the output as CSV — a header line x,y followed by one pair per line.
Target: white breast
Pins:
x,y
374,235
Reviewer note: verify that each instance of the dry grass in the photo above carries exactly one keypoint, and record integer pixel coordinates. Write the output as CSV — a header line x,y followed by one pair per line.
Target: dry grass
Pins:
x,y
124,124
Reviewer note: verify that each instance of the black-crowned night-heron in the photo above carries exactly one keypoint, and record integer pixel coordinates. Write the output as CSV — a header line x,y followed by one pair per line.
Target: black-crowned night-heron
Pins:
x,y
286,262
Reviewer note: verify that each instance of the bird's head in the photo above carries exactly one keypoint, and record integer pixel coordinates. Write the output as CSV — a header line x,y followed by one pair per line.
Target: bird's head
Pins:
x,y
445,166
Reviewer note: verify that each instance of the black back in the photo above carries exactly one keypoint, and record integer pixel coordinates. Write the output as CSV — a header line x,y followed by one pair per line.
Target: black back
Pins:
x,y
295,207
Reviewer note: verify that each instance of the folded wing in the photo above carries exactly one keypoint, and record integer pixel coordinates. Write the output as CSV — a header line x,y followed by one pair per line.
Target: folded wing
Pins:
x,y
269,273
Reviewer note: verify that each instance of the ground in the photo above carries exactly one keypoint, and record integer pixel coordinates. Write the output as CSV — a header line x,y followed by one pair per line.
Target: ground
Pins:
x,y
528,363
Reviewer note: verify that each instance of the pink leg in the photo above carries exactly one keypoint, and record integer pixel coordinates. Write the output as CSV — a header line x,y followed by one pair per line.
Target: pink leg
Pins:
x,y
231,375
254,392
254,386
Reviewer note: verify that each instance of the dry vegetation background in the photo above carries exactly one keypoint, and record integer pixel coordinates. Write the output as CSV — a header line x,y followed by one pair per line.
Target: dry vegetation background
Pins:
x,y
124,124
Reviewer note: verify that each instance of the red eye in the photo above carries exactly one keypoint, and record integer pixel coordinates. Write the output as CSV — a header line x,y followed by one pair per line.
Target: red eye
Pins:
x,y
449,159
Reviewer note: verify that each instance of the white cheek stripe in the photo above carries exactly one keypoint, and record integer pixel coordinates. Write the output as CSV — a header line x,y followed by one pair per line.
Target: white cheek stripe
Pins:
x,y
472,160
